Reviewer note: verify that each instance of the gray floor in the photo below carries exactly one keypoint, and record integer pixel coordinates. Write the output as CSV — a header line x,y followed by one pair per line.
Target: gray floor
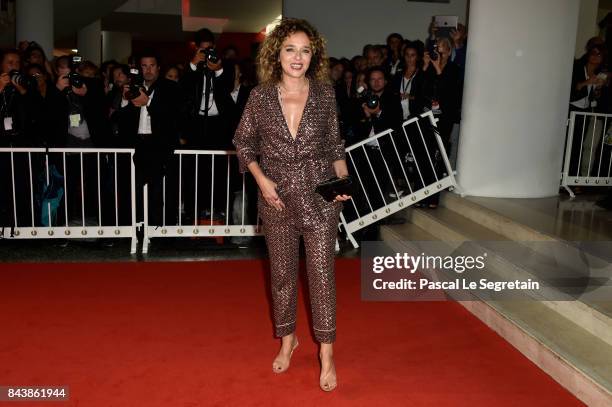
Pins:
x,y
570,219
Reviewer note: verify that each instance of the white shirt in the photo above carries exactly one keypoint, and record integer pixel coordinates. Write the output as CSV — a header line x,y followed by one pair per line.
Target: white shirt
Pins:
x,y
212,106
584,102
406,87
374,142
144,121
235,94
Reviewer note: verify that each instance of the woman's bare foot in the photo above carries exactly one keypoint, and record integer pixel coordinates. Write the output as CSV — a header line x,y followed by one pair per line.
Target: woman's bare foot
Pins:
x,y
281,362
327,380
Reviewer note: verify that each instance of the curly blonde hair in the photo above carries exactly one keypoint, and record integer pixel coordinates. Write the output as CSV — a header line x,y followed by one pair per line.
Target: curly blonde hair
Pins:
x,y
269,68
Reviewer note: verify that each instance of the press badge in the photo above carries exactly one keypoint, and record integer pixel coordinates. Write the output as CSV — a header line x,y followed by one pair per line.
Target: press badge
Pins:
x,y
75,120
8,123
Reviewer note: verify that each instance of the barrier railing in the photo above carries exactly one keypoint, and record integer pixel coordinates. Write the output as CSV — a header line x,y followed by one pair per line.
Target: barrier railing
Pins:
x,y
67,193
394,172
202,194
588,151
192,208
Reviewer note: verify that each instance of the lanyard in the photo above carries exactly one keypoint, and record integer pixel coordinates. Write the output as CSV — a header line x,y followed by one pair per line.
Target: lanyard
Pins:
x,y
405,87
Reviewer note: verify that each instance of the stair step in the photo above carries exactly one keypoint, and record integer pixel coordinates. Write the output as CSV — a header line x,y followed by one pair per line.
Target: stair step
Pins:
x,y
447,225
574,357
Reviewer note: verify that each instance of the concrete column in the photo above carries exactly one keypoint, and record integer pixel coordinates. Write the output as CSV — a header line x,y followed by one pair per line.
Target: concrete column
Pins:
x,y
34,22
516,96
89,42
116,45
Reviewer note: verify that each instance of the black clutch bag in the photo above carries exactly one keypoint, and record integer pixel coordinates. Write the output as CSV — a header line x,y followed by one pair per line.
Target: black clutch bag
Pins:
x,y
332,187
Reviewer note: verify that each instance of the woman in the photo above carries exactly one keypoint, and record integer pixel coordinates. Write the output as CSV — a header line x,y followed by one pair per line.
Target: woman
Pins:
x,y
173,73
443,97
408,82
290,120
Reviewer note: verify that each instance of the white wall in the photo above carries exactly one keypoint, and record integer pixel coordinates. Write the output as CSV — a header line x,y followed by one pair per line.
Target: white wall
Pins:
x,y
172,7
116,45
587,24
348,26
89,42
515,103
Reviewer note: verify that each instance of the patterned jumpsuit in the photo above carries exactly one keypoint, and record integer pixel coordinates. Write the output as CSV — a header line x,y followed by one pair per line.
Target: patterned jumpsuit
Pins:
x,y
296,166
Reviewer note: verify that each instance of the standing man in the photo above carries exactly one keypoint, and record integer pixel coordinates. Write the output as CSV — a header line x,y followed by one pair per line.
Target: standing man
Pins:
x,y
207,86
149,122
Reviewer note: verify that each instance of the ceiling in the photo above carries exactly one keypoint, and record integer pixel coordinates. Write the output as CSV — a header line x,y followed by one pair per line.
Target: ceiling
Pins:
x,y
69,16
243,15
161,20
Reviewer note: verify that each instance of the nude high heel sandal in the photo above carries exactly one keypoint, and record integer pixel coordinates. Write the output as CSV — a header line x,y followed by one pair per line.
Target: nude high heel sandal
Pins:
x,y
329,382
280,367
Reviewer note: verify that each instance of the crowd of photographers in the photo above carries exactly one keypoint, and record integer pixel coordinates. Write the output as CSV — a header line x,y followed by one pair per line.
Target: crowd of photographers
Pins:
x,y
69,102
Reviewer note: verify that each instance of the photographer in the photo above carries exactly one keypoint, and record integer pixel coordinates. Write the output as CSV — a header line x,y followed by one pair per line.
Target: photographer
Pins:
x,y
77,110
148,120
13,134
207,85
442,97
385,111
380,109
79,107
13,89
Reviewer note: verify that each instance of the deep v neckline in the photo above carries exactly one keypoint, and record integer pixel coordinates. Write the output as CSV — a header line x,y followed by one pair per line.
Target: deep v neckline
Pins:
x,y
280,105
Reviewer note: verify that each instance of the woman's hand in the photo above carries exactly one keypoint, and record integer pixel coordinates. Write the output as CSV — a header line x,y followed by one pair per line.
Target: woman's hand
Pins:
x,y
268,190
340,198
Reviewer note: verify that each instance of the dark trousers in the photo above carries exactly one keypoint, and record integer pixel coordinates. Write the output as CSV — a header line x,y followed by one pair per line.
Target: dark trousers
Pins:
x,y
210,133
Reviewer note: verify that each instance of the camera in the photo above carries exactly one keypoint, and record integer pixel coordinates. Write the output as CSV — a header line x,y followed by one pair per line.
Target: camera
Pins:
x,y
371,100
75,80
434,53
210,54
136,82
19,78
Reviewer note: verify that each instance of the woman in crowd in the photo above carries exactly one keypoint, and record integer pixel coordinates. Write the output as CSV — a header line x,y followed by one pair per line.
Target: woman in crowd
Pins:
x,y
442,96
173,73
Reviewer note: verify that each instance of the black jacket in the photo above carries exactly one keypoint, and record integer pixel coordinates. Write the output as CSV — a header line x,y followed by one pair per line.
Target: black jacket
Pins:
x,y
417,91
390,117
192,85
13,105
165,109
447,89
92,106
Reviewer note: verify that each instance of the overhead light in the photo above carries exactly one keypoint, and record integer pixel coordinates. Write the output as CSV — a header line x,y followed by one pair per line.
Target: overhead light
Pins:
x,y
273,24
76,51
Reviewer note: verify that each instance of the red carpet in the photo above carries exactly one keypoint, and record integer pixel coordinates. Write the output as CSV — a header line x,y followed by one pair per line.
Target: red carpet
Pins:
x,y
200,334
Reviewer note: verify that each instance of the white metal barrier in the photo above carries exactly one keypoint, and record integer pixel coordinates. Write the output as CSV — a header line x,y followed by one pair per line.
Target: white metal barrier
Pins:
x,y
190,221
430,174
588,151
41,186
185,219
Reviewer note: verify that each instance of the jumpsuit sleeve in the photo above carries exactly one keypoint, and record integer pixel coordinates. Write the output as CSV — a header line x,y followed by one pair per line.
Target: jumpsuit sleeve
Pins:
x,y
337,144
246,137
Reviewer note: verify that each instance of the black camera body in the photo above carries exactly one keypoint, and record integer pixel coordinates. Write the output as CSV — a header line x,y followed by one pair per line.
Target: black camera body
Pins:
x,y
136,82
210,54
20,79
434,53
371,100
75,80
